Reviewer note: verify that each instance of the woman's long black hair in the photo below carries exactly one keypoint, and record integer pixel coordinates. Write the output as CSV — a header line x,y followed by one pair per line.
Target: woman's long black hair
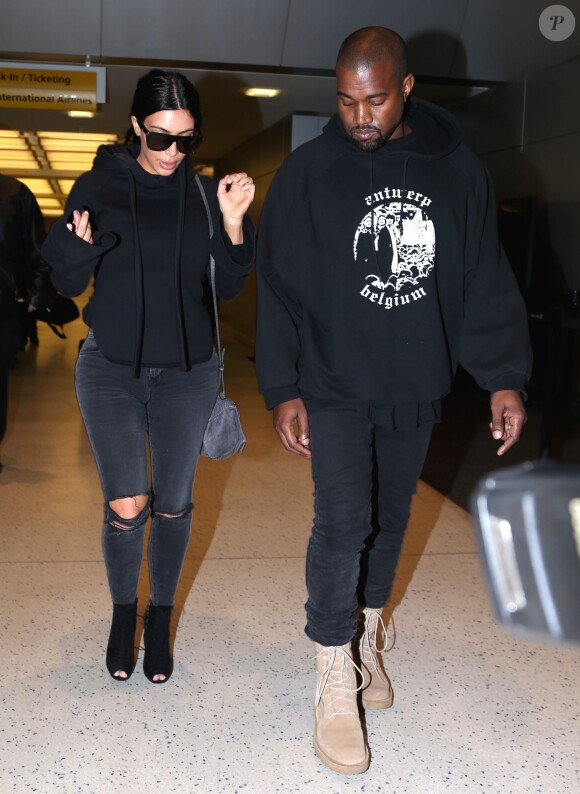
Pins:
x,y
159,90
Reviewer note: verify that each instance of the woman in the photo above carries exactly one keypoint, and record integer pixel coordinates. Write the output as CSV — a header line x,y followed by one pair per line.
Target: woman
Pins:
x,y
147,371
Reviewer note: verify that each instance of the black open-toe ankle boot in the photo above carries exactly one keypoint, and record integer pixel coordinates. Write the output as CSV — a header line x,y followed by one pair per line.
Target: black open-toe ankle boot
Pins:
x,y
157,658
121,647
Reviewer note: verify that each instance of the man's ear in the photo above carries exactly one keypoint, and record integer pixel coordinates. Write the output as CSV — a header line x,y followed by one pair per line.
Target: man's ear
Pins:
x,y
408,83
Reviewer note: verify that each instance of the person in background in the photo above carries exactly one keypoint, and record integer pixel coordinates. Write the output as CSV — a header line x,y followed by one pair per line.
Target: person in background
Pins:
x,y
147,374
23,276
379,271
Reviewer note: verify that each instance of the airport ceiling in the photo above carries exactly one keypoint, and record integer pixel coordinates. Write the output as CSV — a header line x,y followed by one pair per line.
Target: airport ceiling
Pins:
x,y
456,47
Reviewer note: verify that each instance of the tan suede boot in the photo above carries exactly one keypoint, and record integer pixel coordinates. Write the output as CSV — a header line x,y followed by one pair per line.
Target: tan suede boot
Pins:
x,y
377,690
338,736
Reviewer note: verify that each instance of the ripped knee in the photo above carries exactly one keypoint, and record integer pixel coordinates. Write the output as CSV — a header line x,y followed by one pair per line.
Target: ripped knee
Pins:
x,y
180,514
127,512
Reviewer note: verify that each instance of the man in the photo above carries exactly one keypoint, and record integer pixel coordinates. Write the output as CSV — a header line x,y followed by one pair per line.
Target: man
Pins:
x,y
23,277
379,271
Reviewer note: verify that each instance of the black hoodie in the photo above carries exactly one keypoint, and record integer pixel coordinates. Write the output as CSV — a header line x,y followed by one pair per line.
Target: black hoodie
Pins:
x,y
379,272
149,257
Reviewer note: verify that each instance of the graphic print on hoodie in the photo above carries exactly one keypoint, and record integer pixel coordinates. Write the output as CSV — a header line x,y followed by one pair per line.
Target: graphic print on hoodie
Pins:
x,y
397,239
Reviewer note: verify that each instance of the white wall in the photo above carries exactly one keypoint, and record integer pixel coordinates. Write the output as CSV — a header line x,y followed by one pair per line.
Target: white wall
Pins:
x,y
305,127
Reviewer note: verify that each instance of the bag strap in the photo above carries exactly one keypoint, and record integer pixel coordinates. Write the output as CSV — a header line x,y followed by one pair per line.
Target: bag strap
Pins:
x,y
221,351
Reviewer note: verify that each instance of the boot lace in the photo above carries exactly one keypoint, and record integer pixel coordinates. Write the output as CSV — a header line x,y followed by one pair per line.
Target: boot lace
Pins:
x,y
374,627
335,679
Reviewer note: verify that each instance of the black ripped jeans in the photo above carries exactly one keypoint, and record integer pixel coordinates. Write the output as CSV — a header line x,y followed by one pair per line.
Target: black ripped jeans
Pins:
x,y
168,409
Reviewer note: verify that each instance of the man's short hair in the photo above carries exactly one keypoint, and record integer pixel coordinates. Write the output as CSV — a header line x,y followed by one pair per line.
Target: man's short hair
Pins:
x,y
367,47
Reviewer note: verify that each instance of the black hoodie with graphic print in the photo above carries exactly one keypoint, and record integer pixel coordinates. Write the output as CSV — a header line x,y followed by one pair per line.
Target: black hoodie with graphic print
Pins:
x,y
380,271
149,257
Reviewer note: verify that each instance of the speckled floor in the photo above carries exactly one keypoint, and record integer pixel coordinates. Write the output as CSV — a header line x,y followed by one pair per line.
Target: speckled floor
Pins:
x,y
475,709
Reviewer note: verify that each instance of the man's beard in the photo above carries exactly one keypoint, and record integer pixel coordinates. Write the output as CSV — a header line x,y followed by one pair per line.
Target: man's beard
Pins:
x,y
371,145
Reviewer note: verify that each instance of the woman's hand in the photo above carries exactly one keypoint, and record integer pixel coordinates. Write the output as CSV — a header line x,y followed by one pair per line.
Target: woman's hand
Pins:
x,y
81,226
235,194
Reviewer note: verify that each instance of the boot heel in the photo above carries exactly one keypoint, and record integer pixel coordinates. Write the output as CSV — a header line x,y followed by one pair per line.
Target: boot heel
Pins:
x,y
157,659
121,645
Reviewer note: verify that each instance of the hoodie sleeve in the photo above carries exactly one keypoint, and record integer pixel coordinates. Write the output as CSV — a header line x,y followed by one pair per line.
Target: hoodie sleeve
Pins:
x,y
494,342
73,260
278,326
232,262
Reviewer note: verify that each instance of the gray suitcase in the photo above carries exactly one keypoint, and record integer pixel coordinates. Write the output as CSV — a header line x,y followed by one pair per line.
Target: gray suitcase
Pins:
x,y
527,520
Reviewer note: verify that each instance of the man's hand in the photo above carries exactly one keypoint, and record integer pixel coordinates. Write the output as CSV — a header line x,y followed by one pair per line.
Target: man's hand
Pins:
x,y
508,417
291,424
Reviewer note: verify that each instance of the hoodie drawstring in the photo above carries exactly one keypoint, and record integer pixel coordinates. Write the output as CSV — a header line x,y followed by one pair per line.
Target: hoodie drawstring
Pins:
x,y
404,192
181,331
138,268
375,234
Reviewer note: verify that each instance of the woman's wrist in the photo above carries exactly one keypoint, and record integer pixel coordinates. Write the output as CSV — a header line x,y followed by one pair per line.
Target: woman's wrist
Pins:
x,y
234,229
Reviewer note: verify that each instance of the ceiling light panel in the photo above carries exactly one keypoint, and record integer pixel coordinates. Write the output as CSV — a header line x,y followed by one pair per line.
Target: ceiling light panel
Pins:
x,y
49,203
39,187
65,186
52,212
102,137
13,143
71,165
20,169
22,155
18,164
71,155
53,145
264,93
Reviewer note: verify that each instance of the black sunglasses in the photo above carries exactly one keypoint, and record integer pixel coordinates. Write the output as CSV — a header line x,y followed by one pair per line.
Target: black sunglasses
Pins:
x,y
160,141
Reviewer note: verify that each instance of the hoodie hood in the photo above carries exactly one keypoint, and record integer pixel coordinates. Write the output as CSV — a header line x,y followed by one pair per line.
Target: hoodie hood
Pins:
x,y
118,157
434,133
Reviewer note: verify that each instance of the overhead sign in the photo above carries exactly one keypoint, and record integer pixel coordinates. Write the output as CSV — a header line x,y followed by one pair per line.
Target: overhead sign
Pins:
x,y
51,86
